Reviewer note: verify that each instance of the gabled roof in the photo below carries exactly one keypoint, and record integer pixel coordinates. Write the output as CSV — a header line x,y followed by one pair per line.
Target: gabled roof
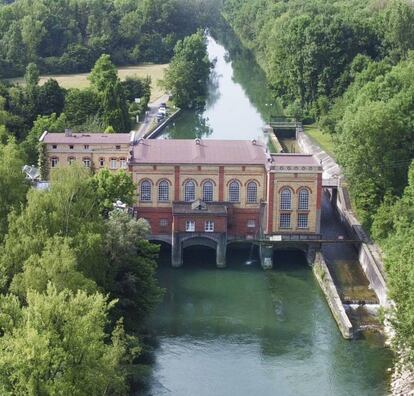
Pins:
x,y
86,138
294,160
198,151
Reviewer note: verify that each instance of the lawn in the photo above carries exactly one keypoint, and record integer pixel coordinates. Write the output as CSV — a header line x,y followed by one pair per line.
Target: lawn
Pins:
x,y
80,80
324,140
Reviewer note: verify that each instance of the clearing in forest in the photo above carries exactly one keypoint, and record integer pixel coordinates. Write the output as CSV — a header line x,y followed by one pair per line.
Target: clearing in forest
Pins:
x,y
80,80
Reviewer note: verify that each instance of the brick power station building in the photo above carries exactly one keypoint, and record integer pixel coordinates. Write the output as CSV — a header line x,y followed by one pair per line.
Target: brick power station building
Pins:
x,y
207,192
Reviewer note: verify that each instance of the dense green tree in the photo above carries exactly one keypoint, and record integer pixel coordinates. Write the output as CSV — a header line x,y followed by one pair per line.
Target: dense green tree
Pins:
x,y
13,185
111,187
57,263
307,48
114,108
394,227
64,37
131,270
399,27
376,139
57,345
80,105
187,75
103,74
135,87
51,123
51,98
68,209
31,76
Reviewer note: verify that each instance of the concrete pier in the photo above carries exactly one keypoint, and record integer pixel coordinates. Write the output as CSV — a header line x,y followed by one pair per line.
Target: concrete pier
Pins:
x,y
266,256
180,241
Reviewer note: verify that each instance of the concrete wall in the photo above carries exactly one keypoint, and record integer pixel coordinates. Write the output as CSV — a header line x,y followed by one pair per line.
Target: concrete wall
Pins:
x,y
368,253
324,278
158,130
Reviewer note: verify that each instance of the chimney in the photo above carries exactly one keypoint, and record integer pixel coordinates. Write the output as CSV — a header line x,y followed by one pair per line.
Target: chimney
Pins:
x,y
68,132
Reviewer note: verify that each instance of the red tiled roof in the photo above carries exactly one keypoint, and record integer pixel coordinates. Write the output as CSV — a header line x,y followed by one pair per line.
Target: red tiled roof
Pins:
x,y
294,159
84,138
183,151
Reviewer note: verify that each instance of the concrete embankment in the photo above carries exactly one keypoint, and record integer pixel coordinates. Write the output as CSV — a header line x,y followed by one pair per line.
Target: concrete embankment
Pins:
x,y
368,253
160,127
322,274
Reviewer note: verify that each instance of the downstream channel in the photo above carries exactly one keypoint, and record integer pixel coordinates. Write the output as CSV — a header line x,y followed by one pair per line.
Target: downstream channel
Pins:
x,y
242,331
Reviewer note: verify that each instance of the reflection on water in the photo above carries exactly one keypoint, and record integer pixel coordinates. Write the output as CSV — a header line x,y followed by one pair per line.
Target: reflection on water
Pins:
x,y
243,331
232,111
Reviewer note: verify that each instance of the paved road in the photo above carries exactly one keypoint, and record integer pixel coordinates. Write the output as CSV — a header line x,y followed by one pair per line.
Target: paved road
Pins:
x,y
151,115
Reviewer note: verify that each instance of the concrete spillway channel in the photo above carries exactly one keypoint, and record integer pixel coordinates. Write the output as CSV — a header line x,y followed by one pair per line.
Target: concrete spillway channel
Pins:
x,y
359,300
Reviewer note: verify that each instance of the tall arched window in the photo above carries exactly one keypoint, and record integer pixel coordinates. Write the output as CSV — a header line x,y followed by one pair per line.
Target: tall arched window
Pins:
x,y
303,203
145,191
234,191
208,191
252,192
189,191
285,199
163,191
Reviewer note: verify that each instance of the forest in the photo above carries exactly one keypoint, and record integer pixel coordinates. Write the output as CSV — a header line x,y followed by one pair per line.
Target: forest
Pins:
x,y
69,36
348,66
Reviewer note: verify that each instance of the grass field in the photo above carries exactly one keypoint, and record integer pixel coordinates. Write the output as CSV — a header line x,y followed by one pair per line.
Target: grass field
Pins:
x,y
80,80
324,140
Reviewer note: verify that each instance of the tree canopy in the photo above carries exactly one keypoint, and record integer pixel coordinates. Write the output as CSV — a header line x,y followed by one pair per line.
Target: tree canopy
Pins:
x,y
187,75
67,37
57,344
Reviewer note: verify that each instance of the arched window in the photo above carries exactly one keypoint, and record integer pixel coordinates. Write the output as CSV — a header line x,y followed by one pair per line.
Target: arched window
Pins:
x,y
189,191
163,191
234,191
208,191
252,192
145,191
286,199
303,203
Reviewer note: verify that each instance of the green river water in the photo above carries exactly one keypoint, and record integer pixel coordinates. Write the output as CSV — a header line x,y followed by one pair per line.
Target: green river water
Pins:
x,y
241,331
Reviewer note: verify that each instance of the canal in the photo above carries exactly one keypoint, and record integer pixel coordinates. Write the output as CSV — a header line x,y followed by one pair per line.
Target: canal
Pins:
x,y
242,331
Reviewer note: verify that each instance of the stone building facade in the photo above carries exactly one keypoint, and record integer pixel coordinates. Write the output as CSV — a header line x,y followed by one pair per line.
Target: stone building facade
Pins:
x,y
94,150
208,192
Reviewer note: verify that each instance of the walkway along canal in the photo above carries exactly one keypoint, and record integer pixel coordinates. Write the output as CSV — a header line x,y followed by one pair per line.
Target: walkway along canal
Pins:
x,y
242,330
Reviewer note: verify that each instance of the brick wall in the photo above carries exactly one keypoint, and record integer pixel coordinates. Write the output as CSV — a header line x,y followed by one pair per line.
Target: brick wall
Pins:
x,y
220,222
238,222
154,217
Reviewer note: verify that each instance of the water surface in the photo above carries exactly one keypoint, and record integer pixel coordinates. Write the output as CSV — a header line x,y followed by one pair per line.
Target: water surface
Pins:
x,y
238,101
242,331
